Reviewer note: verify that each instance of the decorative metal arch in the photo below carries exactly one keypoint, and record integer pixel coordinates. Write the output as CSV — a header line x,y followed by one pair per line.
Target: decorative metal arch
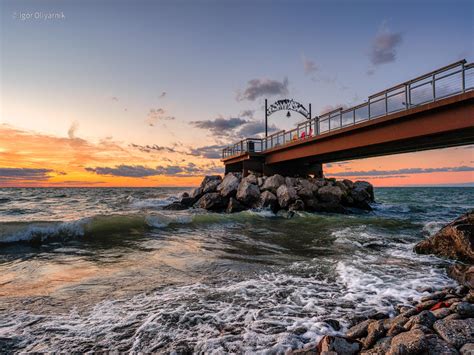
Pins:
x,y
287,105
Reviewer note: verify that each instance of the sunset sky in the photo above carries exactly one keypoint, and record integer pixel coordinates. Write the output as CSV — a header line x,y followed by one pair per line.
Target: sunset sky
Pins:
x,y
146,93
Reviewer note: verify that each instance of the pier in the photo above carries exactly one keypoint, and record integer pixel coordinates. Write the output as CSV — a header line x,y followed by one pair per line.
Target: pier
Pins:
x,y
434,110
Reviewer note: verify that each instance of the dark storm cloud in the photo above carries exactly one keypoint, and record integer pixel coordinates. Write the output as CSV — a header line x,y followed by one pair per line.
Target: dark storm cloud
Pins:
x,y
263,87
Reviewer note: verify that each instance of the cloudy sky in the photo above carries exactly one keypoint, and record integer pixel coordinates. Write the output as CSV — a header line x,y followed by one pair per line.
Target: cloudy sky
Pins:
x,y
146,93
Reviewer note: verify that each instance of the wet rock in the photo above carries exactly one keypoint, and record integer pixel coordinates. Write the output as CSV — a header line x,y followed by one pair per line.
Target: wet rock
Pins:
x,y
175,206
469,297
286,195
304,192
331,194
247,193
187,201
290,181
359,330
268,199
398,320
465,309
425,318
437,346
375,331
197,193
464,274
251,179
441,313
455,240
363,191
260,181
348,183
300,330
212,201
228,186
452,316
311,204
339,345
329,207
382,345
298,205
395,330
455,332
467,349
425,305
234,206
412,342
435,296
273,182
333,323
211,186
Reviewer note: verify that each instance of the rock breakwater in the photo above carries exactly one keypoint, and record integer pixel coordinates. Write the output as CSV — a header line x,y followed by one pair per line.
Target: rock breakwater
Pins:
x,y
235,193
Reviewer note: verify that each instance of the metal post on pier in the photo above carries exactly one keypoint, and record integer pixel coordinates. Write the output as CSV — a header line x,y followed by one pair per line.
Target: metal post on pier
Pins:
x,y
266,118
463,78
309,118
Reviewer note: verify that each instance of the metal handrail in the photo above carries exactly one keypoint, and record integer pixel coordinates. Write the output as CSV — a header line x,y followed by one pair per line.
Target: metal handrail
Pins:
x,y
411,93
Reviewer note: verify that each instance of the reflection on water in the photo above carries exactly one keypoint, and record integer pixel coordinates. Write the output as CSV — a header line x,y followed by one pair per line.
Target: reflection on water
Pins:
x,y
129,276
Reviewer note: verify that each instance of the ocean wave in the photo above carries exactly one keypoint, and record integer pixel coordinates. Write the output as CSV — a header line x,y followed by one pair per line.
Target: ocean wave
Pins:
x,y
100,225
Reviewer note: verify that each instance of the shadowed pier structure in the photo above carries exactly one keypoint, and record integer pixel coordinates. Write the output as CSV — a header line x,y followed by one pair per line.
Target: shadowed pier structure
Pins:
x,y
435,110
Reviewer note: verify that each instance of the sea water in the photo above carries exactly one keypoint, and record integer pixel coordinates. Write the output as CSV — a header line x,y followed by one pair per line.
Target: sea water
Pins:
x,y
108,269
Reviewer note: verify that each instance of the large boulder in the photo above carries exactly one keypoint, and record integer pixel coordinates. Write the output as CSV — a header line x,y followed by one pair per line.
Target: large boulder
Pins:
x,y
298,205
273,182
211,186
234,206
464,274
247,193
251,178
212,201
197,193
331,194
268,200
208,178
338,345
362,191
455,332
228,186
176,206
455,240
208,184
412,342
286,195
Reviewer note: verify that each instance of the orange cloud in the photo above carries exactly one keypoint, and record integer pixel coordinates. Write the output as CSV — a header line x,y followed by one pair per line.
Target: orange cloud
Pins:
x,y
33,159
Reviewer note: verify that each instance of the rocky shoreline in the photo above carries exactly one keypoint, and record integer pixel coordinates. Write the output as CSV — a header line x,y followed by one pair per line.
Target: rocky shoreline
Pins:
x,y
442,322
235,193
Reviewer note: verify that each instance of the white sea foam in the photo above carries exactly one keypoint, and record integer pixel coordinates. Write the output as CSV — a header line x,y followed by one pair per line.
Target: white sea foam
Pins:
x,y
274,311
151,203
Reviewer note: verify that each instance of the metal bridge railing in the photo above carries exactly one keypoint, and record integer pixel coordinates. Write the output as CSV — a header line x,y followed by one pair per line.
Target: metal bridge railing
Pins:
x,y
447,81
